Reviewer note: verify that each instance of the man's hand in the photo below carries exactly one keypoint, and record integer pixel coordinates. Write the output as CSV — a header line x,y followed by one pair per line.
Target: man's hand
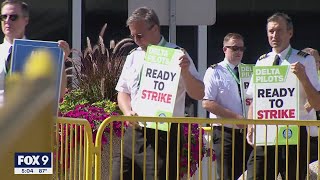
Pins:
x,y
241,126
308,107
184,62
128,123
130,113
250,135
298,69
65,48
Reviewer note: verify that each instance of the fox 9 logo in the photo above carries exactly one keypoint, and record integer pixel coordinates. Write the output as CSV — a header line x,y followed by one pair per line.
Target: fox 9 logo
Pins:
x,y
33,160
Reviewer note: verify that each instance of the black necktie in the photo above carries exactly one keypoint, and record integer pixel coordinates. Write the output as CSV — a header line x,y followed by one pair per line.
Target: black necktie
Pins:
x,y
236,72
276,60
8,61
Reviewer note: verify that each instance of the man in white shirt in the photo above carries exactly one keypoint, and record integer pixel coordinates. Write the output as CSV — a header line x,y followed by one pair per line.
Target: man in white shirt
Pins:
x,y
314,129
14,19
223,100
280,31
144,27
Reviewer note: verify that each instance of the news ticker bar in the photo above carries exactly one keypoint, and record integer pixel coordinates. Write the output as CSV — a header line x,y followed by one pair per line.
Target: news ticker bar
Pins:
x,y
32,170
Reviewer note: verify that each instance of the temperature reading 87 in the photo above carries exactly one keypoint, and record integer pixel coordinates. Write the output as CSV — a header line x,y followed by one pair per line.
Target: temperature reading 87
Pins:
x,y
42,171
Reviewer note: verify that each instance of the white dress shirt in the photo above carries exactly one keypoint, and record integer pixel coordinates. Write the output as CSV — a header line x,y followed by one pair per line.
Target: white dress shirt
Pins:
x,y
310,66
221,87
4,53
130,77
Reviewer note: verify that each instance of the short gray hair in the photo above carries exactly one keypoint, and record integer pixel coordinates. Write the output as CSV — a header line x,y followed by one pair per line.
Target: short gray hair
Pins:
x,y
278,15
232,36
145,14
24,6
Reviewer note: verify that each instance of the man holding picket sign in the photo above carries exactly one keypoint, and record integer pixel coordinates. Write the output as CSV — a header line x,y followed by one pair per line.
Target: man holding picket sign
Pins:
x,y
280,31
144,27
14,20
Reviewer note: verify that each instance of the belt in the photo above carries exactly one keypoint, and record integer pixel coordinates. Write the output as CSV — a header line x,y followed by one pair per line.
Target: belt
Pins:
x,y
229,130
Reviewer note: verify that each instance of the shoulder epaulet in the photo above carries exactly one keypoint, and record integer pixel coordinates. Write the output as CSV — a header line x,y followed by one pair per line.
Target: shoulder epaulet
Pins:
x,y
262,57
303,54
132,50
213,66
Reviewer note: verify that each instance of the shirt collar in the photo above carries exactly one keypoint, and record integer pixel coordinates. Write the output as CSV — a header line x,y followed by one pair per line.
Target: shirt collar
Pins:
x,y
283,54
162,41
6,43
226,62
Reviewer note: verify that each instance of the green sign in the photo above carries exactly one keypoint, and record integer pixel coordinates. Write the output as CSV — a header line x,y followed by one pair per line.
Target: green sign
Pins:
x,y
275,97
159,82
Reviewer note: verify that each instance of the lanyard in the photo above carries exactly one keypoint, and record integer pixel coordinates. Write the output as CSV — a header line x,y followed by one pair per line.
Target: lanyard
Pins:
x,y
233,75
288,54
163,43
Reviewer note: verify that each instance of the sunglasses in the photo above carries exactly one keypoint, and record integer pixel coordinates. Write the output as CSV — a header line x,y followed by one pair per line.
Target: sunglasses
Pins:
x,y
137,36
12,17
140,35
236,48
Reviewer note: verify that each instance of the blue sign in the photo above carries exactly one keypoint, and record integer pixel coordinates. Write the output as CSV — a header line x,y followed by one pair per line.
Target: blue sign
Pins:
x,y
22,50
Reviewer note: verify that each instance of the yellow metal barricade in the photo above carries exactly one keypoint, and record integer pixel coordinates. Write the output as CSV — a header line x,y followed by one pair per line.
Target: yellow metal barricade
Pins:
x,y
73,150
189,121
80,167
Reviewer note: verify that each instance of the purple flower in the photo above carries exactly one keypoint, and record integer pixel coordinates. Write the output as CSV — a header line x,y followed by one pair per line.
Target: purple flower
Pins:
x,y
194,149
95,116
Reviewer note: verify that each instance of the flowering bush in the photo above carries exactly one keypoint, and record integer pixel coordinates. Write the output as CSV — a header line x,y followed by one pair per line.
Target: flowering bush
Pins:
x,y
92,77
96,71
75,106
95,113
94,74
194,150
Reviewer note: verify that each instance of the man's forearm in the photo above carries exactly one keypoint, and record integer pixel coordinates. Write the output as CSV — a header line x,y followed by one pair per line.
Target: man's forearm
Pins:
x,y
313,95
194,87
250,116
250,111
63,84
124,102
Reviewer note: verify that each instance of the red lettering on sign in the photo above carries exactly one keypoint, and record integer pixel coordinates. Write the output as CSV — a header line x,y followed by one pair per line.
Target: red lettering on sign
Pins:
x,y
248,102
276,114
156,96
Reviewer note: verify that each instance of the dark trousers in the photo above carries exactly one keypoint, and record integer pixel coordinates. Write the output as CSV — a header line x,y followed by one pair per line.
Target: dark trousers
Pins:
x,y
313,149
150,155
292,160
239,144
314,144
